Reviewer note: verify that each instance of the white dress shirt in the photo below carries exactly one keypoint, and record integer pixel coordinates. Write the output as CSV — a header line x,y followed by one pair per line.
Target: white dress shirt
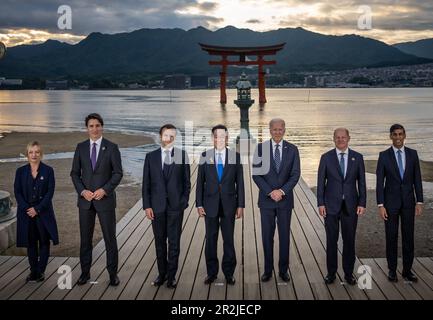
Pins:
x,y
163,155
346,158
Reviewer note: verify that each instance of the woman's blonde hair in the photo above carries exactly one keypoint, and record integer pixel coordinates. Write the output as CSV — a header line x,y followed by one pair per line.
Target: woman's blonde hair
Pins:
x,y
32,144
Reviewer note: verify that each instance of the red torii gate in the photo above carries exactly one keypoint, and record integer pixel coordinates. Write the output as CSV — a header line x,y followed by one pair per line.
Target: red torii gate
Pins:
x,y
242,52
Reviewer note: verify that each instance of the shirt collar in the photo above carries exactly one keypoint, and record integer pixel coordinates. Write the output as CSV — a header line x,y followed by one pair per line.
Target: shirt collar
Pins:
x,y
342,151
169,149
274,143
223,152
396,149
98,142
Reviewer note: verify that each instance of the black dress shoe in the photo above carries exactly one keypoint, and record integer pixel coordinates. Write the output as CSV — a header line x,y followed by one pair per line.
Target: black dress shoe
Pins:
x,y
410,277
171,283
230,280
266,277
40,277
285,277
330,278
114,281
83,279
159,281
350,280
392,276
32,277
209,279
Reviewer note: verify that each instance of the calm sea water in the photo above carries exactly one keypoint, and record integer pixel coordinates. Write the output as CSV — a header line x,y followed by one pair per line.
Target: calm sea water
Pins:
x,y
310,115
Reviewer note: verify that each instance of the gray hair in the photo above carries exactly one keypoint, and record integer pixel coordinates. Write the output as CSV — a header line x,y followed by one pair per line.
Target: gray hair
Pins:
x,y
276,120
341,129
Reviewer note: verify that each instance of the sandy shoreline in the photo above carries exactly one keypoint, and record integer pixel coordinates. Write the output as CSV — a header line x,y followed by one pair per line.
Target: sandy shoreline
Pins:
x,y
65,197
13,144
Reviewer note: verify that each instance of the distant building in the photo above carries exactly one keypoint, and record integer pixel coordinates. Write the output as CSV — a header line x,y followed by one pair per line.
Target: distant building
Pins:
x,y
310,82
56,84
199,82
175,82
10,82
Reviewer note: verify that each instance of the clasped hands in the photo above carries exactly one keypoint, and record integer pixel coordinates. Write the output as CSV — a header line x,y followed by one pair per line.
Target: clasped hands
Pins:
x,y
276,195
97,195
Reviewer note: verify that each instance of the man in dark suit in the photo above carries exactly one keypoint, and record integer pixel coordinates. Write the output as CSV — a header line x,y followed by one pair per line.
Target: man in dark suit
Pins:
x,y
96,172
166,188
341,197
399,197
276,171
220,198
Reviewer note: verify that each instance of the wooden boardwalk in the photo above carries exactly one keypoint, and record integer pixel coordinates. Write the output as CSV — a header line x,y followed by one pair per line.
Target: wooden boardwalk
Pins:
x,y
137,265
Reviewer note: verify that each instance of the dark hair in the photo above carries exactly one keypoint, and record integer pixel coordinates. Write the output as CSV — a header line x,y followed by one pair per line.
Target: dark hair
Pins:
x,y
95,116
396,126
219,126
166,126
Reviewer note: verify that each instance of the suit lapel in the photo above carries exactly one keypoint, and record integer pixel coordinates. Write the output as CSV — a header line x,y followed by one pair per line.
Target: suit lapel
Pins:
x,y
408,156
336,161
211,162
271,149
226,167
173,162
86,154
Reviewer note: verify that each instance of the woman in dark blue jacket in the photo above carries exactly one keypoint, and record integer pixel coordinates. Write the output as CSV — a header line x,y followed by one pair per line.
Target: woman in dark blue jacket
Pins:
x,y
36,224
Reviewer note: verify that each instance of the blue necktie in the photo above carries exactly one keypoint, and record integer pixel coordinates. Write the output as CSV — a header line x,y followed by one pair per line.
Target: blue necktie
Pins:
x,y
277,157
400,164
220,167
342,163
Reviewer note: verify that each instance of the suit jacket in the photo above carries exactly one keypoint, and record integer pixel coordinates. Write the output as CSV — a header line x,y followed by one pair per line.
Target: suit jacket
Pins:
x,y
332,186
45,185
230,191
267,179
107,174
172,195
392,191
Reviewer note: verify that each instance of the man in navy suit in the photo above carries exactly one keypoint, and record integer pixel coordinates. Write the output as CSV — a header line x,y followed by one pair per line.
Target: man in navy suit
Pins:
x,y
220,198
341,197
399,197
276,171
166,188
96,172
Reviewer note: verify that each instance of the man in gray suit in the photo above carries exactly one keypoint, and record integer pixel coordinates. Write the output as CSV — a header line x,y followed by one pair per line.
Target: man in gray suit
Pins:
x,y
96,172
276,171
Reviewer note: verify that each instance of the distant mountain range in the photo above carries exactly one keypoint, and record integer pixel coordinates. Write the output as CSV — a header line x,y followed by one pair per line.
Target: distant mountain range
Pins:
x,y
420,48
166,51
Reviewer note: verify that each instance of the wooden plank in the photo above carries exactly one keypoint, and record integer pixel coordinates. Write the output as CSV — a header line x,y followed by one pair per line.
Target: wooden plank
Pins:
x,y
309,202
200,291
19,292
427,263
17,273
51,283
337,291
3,259
99,266
96,291
10,263
420,287
269,289
298,274
405,288
312,270
387,288
218,289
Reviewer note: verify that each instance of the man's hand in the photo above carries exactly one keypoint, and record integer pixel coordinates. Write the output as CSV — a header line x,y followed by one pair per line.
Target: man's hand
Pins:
x,y
239,213
418,209
322,211
99,194
276,195
88,195
149,213
383,213
31,212
201,212
360,211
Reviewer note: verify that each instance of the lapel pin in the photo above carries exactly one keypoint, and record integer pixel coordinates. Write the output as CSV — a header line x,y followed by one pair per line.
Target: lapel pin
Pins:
x,y
42,177
353,159
103,148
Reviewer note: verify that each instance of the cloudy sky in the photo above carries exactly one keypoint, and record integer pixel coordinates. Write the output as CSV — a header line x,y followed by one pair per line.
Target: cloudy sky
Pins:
x,y
392,21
